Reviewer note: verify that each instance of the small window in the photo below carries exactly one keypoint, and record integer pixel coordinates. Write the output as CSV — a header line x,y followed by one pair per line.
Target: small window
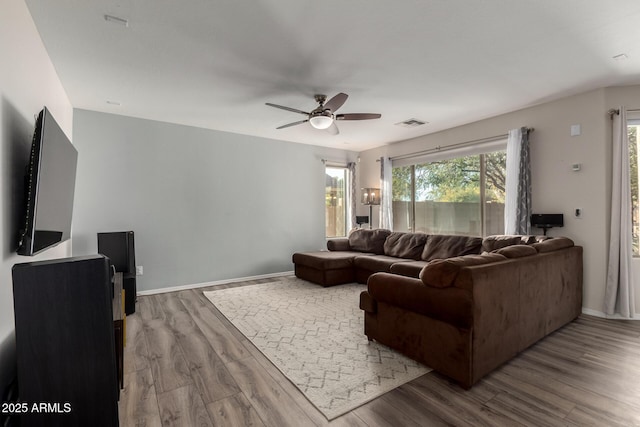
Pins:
x,y
336,201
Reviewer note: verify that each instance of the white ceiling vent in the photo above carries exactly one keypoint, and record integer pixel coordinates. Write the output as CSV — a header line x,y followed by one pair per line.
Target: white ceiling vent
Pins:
x,y
115,20
411,123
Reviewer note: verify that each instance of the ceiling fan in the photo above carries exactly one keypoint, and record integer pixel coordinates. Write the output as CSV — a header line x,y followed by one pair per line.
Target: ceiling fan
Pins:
x,y
323,116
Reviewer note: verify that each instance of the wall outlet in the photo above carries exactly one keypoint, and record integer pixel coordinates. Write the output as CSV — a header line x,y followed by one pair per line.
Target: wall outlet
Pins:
x,y
139,270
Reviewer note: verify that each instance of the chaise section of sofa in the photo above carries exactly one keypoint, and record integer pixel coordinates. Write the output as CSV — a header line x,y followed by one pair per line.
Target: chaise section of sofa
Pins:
x,y
336,266
467,315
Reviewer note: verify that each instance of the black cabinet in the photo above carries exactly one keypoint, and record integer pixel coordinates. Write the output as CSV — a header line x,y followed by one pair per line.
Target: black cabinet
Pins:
x,y
65,344
119,246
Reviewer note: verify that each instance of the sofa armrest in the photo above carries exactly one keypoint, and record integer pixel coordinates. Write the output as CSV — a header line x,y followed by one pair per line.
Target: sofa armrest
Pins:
x,y
451,305
338,245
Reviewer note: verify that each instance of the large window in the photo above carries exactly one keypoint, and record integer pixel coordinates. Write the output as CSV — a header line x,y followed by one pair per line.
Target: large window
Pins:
x,y
336,201
463,195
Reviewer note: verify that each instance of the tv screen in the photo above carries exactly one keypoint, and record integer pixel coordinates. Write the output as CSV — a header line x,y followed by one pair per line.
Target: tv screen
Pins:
x,y
49,186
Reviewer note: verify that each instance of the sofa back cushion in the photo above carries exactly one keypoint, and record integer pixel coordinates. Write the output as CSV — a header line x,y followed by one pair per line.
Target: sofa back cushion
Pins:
x,y
371,241
492,243
405,245
441,246
554,244
441,273
516,251
338,244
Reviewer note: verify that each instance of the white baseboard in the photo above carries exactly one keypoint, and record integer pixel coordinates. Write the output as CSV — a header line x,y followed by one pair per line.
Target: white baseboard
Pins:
x,y
215,283
603,315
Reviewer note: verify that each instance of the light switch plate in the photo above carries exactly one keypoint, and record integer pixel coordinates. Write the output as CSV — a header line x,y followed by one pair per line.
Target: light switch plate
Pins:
x,y
576,130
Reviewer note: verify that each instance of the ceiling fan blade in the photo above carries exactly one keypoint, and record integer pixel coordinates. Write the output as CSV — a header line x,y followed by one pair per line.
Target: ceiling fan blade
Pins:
x,y
333,129
287,108
336,102
292,124
358,116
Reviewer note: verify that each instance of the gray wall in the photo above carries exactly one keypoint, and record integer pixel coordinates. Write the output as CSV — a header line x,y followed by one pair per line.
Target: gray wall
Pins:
x,y
205,205
28,81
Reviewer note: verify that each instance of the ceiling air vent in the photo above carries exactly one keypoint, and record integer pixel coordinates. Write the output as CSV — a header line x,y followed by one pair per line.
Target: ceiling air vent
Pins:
x,y
411,123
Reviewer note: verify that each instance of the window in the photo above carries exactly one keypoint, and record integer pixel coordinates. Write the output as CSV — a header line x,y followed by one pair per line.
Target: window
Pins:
x,y
633,125
336,201
463,195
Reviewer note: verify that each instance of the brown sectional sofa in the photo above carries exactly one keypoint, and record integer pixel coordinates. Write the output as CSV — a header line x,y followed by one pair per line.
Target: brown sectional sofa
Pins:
x,y
370,251
465,305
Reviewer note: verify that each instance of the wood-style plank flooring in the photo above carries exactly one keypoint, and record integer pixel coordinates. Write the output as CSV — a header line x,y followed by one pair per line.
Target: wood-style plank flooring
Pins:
x,y
186,365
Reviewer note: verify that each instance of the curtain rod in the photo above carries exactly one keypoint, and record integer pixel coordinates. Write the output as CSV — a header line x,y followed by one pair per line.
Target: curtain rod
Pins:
x,y
335,163
616,111
456,145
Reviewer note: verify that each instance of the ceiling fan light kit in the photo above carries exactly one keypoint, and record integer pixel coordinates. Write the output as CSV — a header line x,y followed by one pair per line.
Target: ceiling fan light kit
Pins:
x,y
322,116
321,121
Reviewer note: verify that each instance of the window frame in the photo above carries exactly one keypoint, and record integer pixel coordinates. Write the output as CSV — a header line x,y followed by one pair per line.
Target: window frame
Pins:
x,y
496,146
346,200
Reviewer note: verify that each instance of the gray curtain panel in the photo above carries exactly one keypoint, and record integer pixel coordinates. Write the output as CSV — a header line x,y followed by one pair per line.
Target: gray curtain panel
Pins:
x,y
386,212
619,295
518,195
351,166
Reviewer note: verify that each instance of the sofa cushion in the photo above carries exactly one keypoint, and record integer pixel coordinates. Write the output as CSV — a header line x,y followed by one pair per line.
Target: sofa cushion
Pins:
x,y
440,246
325,260
368,240
441,273
531,239
338,244
376,262
405,245
516,251
491,243
409,269
452,305
554,244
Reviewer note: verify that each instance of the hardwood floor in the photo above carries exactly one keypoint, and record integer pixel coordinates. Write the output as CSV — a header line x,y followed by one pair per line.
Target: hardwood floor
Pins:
x,y
186,365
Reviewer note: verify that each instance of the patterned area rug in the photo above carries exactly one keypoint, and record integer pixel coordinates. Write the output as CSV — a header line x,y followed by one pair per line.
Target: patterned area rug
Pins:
x,y
314,336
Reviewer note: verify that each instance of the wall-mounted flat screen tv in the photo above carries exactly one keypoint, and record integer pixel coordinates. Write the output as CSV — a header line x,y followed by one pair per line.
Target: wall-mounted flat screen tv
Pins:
x,y
49,187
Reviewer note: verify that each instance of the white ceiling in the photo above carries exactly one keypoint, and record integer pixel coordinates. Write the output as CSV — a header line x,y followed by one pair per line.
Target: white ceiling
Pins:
x,y
214,64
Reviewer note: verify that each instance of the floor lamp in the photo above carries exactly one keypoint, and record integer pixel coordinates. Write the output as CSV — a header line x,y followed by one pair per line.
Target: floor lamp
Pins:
x,y
370,197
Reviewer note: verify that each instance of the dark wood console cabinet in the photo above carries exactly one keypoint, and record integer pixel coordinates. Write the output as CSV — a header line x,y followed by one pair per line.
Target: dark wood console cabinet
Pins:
x,y
65,346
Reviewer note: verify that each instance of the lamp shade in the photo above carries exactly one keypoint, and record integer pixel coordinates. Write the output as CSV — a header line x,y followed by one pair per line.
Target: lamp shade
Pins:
x,y
370,196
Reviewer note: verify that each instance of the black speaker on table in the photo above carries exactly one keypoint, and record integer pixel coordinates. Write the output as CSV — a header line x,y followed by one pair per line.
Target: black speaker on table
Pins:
x,y
120,248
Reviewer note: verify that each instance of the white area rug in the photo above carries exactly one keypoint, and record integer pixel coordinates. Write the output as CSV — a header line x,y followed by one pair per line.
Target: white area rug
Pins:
x,y
315,337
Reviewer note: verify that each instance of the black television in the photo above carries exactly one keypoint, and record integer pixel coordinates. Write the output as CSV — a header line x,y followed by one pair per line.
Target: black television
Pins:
x,y
50,180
